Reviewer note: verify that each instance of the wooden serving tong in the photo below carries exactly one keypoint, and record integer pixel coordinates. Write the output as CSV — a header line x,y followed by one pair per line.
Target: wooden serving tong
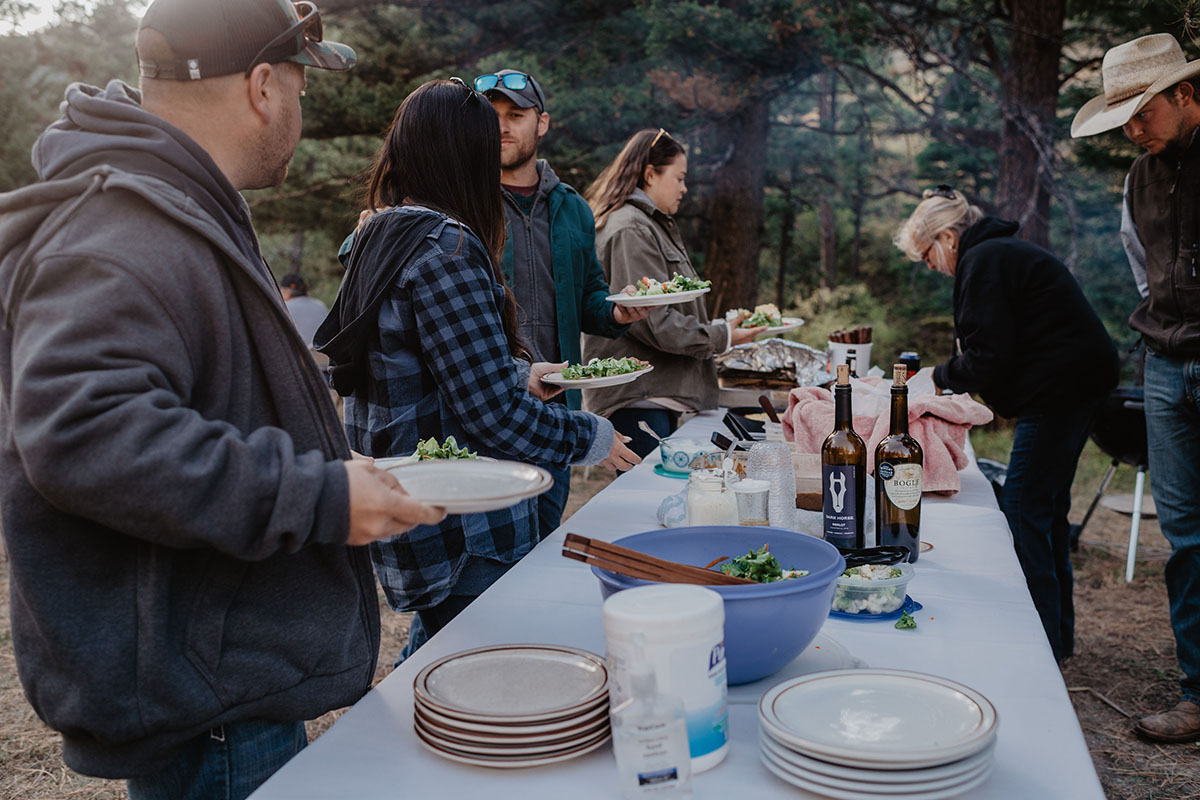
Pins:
x,y
624,561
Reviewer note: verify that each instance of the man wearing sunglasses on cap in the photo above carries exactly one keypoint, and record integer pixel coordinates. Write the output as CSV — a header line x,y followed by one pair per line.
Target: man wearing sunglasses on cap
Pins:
x,y
550,253
179,501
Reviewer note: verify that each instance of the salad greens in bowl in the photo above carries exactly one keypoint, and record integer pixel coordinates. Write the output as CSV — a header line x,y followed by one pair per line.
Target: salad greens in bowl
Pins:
x,y
766,624
761,566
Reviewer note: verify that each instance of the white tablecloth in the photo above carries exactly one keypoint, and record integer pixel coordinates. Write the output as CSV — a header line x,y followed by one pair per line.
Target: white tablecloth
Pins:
x,y
978,626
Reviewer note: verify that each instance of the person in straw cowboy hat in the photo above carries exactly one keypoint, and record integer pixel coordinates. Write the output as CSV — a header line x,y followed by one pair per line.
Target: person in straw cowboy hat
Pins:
x,y
1150,92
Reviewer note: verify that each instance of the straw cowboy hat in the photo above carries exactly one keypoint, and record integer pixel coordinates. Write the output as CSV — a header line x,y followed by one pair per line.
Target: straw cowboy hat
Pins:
x,y
1133,73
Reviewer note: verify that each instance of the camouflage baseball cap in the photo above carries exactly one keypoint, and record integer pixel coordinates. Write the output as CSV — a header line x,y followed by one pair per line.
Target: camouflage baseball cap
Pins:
x,y
210,38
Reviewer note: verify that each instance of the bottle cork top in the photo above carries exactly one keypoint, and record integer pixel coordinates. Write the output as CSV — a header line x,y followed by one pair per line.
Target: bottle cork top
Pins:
x,y
843,374
899,374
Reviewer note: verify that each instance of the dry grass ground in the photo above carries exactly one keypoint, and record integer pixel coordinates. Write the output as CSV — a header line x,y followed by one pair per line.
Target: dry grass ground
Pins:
x,y
1124,663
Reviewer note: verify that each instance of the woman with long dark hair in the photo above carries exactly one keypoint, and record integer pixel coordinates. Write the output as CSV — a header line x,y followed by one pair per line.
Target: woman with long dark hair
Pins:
x,y
634,200
423,343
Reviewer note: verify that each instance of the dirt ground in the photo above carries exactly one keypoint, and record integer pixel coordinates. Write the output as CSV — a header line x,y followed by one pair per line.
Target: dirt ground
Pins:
x,y
1124,666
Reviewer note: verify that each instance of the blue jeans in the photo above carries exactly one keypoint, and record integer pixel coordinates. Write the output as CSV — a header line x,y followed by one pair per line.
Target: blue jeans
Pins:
x,y
476,576
662,421
1173,436
226,763
552,502
1036,500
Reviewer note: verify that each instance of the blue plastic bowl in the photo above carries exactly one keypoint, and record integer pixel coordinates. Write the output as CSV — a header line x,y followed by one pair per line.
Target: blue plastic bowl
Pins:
x,y
766,625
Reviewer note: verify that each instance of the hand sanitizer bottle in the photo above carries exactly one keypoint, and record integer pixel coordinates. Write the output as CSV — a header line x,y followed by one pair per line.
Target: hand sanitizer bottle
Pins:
x,y
650,738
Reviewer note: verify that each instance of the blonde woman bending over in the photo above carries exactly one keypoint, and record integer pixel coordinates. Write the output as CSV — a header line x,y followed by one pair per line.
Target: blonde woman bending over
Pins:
x,y
1028,342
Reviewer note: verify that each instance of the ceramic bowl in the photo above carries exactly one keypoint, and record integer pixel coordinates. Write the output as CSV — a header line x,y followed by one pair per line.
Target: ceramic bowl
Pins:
x,y
677,453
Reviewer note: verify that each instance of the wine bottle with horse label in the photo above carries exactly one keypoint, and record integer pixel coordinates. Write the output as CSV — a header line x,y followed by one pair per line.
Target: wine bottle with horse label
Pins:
x,y
843,471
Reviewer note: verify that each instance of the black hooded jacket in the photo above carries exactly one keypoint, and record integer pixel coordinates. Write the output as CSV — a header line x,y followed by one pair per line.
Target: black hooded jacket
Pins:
x,y
1025,338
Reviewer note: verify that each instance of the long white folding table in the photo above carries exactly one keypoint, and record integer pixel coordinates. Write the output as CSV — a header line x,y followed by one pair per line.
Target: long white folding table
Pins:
x,y
978,626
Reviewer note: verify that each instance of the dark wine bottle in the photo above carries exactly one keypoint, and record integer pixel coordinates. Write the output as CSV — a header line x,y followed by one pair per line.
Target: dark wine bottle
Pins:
x,y
898,467
843,471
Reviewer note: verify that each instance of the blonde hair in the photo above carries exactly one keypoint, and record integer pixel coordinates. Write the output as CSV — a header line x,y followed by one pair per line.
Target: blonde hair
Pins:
x,y
934,214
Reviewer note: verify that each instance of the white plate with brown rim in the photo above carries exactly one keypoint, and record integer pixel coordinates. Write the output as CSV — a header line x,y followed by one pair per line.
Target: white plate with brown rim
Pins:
x,y
665,299
517,683
458,721
514,762
878,718
468,486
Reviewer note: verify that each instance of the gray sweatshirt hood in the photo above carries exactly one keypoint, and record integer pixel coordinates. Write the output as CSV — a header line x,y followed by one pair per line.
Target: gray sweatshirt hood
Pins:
x,y
109,127
105,141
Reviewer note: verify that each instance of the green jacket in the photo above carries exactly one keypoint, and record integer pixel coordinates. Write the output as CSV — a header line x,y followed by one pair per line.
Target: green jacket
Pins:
x,y
579,285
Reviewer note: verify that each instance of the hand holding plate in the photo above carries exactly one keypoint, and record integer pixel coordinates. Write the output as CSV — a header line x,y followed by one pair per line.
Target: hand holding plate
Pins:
x,y
540,389
379,508
626,315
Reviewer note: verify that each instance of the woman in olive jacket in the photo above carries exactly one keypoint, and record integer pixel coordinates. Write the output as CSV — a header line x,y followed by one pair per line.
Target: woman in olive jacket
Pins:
x,y
633,200
1027,341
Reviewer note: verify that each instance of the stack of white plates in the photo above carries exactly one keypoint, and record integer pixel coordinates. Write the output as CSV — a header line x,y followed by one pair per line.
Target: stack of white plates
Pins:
x,y
519,705
860,734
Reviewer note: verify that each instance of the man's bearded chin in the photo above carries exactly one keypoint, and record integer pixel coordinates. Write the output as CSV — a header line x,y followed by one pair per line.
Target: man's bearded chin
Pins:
x,y
520,157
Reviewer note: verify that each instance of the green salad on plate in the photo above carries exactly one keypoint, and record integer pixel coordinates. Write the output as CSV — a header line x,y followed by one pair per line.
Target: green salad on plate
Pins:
x,y
430,449
679,283
604,368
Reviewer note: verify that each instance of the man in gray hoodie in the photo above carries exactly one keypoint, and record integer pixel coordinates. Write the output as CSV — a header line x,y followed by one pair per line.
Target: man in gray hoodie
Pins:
x,y
183,517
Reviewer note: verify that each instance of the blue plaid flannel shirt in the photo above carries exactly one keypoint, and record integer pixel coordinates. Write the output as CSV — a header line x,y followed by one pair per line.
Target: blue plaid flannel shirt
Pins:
x,y
439,365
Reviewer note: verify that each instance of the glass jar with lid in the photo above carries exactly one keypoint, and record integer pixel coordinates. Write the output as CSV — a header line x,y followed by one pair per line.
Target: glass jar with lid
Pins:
x,y
708,501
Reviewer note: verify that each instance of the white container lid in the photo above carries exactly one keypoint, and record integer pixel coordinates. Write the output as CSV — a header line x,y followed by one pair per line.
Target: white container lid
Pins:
x,y
669,612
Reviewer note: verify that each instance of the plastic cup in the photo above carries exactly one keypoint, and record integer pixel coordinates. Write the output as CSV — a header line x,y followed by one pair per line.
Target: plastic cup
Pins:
x,y
752,501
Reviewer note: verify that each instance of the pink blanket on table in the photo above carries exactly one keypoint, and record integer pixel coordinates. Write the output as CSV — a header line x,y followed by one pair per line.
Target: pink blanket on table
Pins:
x,y
938,423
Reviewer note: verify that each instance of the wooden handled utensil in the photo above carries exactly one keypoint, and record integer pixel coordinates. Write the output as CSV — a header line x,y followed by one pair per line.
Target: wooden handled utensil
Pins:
x,y
625,561
769,407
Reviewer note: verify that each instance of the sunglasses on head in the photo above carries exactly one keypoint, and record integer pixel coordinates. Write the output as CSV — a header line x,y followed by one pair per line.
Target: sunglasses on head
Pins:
x,y
516,81
943,190
661,133
471,93
306,29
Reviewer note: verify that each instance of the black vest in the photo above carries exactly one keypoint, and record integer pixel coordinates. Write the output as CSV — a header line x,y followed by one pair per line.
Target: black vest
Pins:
x,y
1164,201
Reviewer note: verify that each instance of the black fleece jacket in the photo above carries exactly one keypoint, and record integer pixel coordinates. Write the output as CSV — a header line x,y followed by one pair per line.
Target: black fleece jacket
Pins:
x,y
1025,338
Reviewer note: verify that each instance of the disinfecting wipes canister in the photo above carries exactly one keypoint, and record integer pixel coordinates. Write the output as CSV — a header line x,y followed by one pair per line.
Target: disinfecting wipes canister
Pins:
x,y
682,631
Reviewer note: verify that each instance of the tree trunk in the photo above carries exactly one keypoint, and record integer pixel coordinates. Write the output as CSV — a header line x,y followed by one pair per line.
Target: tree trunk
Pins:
x,y
1030,86
787,222
735,210
827,87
